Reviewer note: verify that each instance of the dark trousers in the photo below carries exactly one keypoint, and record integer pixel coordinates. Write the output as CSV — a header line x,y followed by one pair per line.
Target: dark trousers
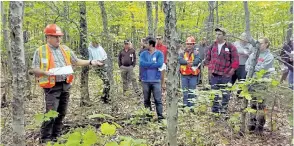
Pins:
x,y
257,120
56,98
155,89
239,74
102,73
216,81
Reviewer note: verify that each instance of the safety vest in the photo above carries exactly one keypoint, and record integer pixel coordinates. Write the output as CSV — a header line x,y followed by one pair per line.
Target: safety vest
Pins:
x,y
187,70
47,62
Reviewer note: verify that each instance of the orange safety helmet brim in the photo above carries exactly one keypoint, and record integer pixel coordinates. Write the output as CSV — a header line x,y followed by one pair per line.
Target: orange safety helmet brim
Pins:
x,y
190,40
53,29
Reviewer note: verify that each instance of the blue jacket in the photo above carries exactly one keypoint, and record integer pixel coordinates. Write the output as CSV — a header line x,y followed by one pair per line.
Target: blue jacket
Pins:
x,y
149,64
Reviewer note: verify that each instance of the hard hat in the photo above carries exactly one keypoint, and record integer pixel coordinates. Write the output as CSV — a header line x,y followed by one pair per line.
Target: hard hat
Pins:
x,y
53,29
190,40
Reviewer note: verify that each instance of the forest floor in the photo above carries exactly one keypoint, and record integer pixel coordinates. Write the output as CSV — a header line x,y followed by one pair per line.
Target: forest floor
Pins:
x,y
198,128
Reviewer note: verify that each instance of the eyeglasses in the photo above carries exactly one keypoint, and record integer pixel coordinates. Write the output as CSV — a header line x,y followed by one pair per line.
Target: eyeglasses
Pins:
x,y
158,38
189,44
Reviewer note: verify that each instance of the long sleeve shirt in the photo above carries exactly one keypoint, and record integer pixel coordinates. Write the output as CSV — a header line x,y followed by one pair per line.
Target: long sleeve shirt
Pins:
x,y
127,57
222,63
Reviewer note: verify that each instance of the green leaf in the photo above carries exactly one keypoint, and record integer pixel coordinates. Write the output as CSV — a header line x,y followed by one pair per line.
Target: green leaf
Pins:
x,y
39,117
125,143
90,137
51,114
74,139
108,129
275,83
113,143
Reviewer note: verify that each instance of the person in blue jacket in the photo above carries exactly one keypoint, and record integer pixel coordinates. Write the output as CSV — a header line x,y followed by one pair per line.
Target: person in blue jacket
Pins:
x,y
150,62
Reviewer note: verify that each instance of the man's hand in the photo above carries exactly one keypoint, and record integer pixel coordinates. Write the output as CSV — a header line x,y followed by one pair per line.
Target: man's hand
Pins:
x,y
47,73
230,73
97,63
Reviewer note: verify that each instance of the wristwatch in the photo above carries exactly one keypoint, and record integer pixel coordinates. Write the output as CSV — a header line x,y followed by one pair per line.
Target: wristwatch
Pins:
x,y
90,62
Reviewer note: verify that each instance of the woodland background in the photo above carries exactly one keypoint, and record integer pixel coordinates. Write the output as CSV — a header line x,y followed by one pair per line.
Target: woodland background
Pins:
x,y
114,22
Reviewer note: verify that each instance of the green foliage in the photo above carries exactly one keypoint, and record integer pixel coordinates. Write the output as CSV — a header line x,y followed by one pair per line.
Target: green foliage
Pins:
x,y
108,129
40,118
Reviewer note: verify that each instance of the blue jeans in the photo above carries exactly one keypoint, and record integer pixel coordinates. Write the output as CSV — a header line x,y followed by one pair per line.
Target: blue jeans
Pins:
x,y
215,81
290,79
155,89
189,83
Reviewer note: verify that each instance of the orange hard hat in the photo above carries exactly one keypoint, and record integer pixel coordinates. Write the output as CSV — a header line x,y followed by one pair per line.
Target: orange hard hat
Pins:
x,y
190,40
53,29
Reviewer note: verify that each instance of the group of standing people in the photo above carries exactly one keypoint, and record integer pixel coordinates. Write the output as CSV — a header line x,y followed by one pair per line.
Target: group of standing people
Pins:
x,y
226,62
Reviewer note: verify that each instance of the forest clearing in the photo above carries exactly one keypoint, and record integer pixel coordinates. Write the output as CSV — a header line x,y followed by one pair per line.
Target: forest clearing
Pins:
x,y
213,73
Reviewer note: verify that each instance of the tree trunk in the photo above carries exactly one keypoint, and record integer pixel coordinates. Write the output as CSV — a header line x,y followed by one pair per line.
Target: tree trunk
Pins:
x,y
209,21
156,18
172,74
247,19
18,72
7,61
85,99
106,42
290,26
216,13
245,101
149,18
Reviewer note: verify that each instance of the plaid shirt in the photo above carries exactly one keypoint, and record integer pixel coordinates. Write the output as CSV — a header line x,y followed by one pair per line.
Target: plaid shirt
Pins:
x,y
222,63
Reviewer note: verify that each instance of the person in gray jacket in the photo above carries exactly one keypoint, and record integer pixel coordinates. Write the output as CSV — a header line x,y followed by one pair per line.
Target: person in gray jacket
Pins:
x,y
265,61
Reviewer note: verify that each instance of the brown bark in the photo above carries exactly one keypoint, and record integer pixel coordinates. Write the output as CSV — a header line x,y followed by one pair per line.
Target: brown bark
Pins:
x,y
106,44
85,99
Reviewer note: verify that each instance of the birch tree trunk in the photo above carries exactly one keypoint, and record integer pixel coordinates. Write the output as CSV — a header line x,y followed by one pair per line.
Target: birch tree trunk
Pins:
x,y
85,99
18,72
149,18
105,42
172,74
156,18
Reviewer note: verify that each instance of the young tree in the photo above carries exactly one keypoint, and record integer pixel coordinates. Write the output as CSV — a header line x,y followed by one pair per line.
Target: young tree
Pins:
x,y
150,18
172,74
156,18
85,99
290,26
18,71
106,41
6,63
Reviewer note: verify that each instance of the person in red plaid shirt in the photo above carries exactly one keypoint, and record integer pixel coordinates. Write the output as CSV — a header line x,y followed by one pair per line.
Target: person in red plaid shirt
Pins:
x,y
222,60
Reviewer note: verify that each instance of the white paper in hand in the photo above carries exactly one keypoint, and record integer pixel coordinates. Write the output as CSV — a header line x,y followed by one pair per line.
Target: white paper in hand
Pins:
x,y
163,67
61,70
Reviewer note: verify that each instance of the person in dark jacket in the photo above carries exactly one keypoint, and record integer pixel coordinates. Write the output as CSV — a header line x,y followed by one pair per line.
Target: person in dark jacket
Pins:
x,y
126,63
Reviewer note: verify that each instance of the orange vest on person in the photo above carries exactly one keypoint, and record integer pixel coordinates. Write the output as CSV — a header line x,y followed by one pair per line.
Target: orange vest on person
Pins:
x,y
187,70
47,62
